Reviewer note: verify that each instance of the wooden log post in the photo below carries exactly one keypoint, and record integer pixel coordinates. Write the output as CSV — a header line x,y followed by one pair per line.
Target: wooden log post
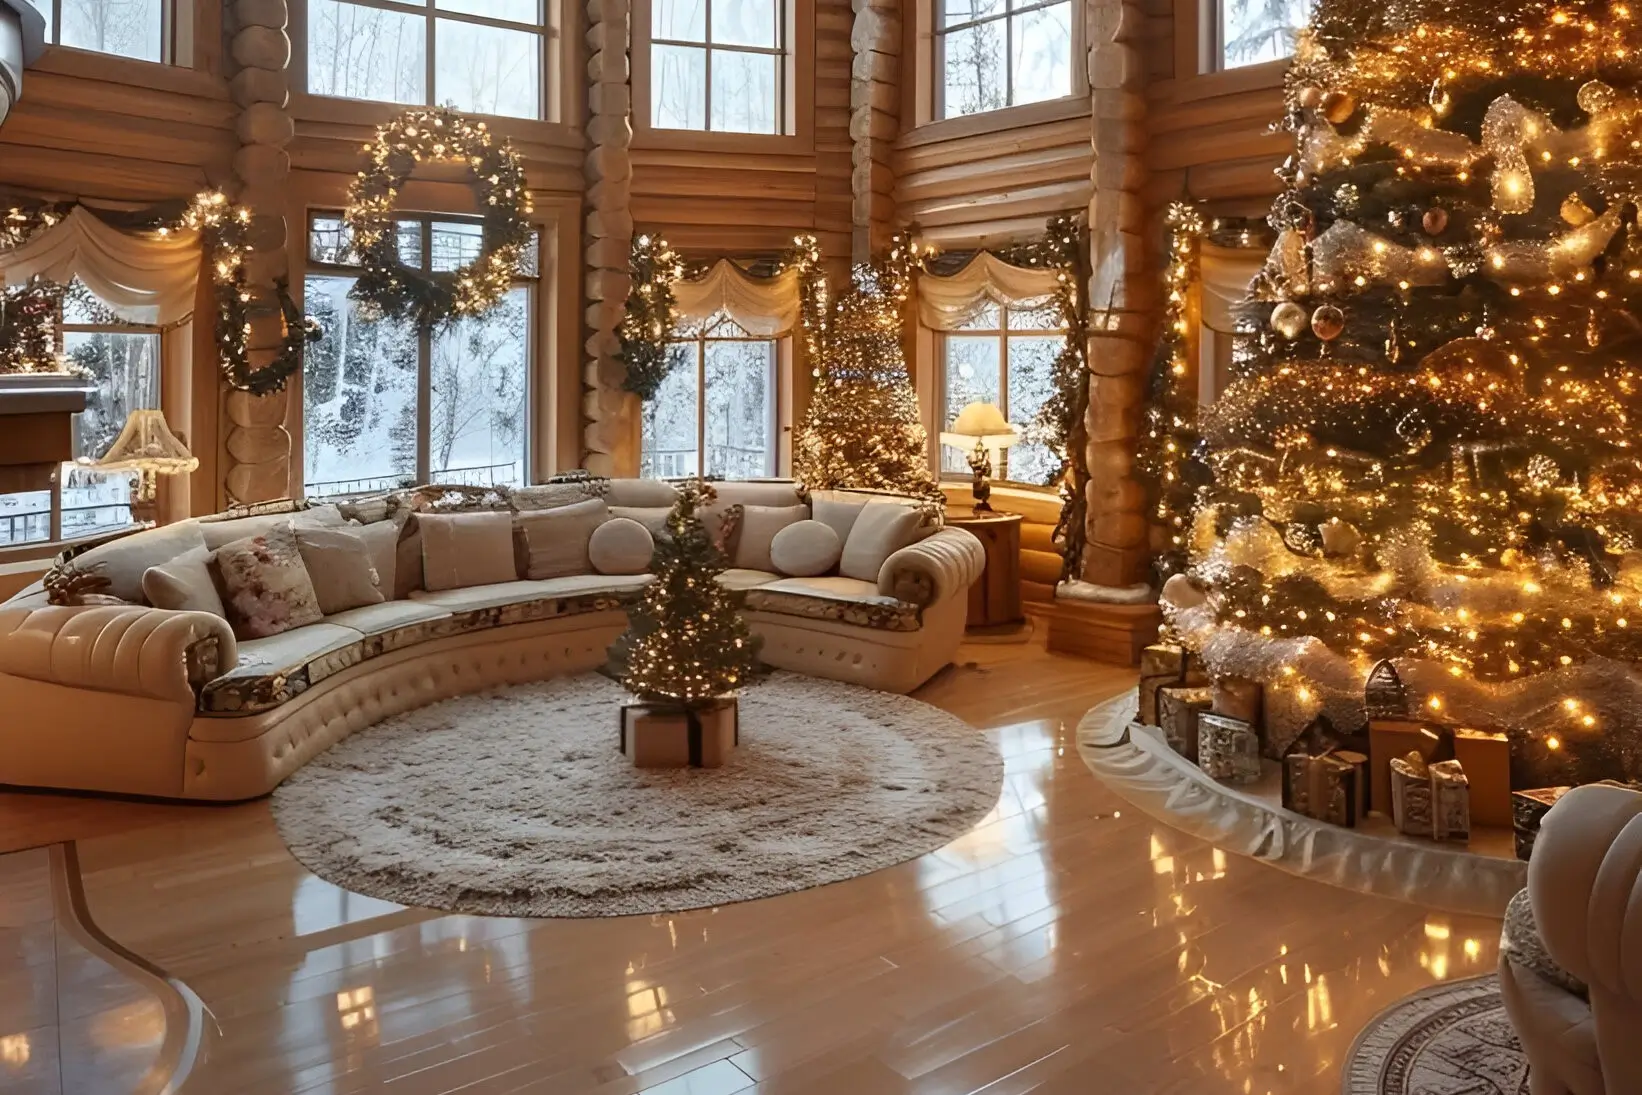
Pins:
x,y
875,121
256,448
609,411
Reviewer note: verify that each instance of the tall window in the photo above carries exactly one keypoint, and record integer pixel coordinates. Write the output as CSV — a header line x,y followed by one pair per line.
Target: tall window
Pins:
x,y
718,401
996,53
718,65
482,56
1004,356
129,28
1248,32
384,405
122,361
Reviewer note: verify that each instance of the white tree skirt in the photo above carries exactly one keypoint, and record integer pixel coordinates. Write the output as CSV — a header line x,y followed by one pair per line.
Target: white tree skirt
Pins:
x,y
1372,858
517,801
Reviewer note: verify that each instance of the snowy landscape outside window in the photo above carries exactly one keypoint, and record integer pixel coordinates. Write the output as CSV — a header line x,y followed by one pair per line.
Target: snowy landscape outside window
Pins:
x,y
1251,32
718,65
480,56
996,53
122,361
386,406
126,28
719,398
1004,356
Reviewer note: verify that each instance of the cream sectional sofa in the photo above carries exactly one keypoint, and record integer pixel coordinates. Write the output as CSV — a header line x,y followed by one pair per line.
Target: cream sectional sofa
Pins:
x,y
133,699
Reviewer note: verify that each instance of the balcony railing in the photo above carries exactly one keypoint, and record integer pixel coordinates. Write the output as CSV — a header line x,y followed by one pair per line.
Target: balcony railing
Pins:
x,y
473,475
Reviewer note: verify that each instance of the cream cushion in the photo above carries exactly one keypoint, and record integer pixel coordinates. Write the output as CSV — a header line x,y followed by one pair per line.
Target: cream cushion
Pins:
x,y
407,559
184,584
466,549
653,518
557,540
621,546
759,526
124,561
879,531
219,533
840,515
805,549
641,492
340,566
382,541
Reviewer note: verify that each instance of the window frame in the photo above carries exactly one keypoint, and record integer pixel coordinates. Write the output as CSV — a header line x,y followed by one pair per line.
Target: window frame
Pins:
x,y
539,286
1210,45
779,349
176,21
941,29
796,90
1003,332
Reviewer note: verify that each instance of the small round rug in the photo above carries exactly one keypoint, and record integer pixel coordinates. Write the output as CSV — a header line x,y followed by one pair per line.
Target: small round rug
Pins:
x,y
517,802
1451,1037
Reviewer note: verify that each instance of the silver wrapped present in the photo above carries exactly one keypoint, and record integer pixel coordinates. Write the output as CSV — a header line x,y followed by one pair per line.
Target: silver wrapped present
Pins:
x,y
1228,749
1178,709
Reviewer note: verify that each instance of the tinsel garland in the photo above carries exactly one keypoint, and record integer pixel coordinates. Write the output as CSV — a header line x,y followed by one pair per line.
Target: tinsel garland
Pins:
x,y
649,319
432,301
28,328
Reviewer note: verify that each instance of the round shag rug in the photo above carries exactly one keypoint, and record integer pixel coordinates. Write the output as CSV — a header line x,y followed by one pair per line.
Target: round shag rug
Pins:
x,y
517,802
1453,1037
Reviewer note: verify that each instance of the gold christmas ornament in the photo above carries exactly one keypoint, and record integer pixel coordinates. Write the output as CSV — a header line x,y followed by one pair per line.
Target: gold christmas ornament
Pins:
x,y
1289,320
1434,221
1576,212
1310,97
1327,322
1338,106
1594,97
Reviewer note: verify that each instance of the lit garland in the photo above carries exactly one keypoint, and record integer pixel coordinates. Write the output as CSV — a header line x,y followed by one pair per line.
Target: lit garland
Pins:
x,y
649,319
431,135
28,328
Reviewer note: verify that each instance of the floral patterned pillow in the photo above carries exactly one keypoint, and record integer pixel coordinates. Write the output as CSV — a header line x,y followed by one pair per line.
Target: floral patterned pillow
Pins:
x,y
265,587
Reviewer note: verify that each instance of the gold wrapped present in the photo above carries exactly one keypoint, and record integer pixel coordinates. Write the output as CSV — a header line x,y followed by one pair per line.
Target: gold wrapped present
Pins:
x,y
1238,698
1391,738
1528,809
1430,800
1178,709
675,736
1486,758
1161,666
1331,787
1228,749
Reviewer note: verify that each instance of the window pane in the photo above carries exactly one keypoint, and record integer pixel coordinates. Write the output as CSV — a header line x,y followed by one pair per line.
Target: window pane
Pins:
x,y
25,518
514,11
678,87
125,369
1043,54
967,11
479,390
129,28
408,240
744,23
679,20
668,442
973,66
739,391
971,377
366,53
1046,318
488,70
358,395
1031,360
455,244
95,502
329,241
1260,30
989,318
45,8
743,92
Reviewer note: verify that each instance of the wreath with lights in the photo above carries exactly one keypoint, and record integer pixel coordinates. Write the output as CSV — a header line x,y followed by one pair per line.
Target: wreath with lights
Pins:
x,y
498,179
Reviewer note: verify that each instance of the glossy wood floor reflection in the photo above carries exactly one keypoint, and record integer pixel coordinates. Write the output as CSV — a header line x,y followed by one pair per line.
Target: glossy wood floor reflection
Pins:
x,y
1066,944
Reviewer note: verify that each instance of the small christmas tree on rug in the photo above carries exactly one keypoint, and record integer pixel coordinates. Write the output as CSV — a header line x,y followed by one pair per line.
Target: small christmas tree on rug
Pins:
x,y
862,428
686,650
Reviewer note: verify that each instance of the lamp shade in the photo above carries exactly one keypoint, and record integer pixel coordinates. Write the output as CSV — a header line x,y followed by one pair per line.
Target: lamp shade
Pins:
x,y
982,422
147,444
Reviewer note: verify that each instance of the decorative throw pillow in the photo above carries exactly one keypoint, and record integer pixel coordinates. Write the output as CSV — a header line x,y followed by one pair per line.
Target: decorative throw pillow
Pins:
x,y
466,549
805,549
184,584
839,515
881,529
339,565
723,524
124,561
218,533
382,542
621,546
266,588
407,560
556,540
759,526
653,518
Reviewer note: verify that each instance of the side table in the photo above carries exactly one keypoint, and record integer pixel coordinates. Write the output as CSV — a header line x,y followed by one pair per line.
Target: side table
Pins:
x,y
995,598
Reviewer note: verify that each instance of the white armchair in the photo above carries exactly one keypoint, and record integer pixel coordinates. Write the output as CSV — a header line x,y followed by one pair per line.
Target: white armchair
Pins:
x,y
1585,885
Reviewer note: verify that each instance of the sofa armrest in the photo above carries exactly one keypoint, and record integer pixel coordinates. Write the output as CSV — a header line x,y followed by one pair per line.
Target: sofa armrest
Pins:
x,y
129,649
939,566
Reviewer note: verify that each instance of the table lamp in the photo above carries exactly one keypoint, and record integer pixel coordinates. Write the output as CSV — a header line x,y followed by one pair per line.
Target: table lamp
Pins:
x,y
146,445
982,430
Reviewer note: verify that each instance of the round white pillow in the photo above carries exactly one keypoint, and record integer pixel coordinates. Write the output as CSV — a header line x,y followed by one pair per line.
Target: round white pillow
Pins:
x,y
806,548
621,546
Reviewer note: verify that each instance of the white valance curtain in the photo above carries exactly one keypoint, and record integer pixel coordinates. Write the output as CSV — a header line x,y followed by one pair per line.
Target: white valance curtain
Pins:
x,y
765,307
144,277
946,303
1224,274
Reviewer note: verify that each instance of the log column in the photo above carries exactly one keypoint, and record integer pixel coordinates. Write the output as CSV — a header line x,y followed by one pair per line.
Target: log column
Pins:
x,y
256,444
875,120
609,411
1123,295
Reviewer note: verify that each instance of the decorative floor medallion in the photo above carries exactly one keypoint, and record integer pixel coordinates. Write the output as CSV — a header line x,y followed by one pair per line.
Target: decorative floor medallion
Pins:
x,y
1452,1039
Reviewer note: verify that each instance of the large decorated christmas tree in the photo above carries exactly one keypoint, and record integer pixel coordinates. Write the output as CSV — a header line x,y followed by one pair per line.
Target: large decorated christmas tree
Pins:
x,y
1426,453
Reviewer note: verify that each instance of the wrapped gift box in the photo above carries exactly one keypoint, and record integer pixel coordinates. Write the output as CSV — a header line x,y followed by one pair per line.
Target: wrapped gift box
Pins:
x,y
674,736
1238,698
1430,800
1228,749
1391,738
1163,666
1331,787
1450,802
1528,809
1486,758
1178,710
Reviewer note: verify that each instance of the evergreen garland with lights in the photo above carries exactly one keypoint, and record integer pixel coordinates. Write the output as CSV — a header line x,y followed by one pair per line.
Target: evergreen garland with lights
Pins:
x,y
437,134
686,641
650,317
28,328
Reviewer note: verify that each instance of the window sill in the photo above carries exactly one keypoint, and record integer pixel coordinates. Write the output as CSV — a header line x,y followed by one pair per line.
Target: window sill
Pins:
x,y
335,112
693,140
997,121
111,68
1267,76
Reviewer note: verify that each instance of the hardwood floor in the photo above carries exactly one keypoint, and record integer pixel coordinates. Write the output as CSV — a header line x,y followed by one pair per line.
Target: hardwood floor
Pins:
x,y
1066,944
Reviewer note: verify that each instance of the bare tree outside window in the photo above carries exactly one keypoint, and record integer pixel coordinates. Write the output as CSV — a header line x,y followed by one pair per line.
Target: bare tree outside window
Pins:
x,y
1255,31
1005,356
126,28
718,65
996,53
715,412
